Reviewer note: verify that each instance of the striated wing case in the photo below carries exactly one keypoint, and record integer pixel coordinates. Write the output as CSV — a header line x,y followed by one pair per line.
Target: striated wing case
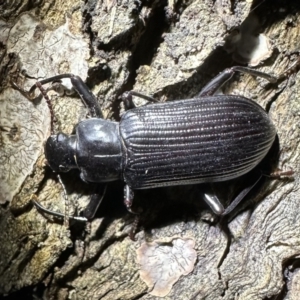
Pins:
x,y
192,141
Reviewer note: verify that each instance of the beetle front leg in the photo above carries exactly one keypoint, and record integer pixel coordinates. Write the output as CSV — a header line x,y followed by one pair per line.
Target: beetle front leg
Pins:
x,y
80,87
216,83
87,214
87,97
44,210
96,199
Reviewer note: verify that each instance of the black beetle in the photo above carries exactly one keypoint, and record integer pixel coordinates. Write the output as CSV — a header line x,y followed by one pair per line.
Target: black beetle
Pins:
x,y
209,138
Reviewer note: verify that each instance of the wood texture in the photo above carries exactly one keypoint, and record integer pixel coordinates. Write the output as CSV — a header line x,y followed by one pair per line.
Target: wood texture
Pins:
x,y
168,50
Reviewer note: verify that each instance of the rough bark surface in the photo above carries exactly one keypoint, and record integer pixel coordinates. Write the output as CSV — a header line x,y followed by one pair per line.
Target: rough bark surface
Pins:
x,y
168,50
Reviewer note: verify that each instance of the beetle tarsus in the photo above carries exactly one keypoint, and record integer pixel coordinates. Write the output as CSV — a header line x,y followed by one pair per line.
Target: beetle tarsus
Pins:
x,y
278,174
134,228
26,94
55,213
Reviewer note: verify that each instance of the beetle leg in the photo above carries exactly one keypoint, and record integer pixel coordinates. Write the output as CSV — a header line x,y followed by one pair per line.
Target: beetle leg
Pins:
x,y
128,102
278,174
87,97
213,202
240,197
96,199
88,213
54,213
217,207
210,89
67,204
134,227
82,90
128,198
216,83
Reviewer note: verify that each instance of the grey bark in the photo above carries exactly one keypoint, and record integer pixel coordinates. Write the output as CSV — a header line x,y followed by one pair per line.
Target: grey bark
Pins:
x,y
168,50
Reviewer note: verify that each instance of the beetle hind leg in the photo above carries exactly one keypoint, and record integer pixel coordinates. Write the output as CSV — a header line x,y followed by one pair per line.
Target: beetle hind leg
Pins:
x,y
240,197
217,207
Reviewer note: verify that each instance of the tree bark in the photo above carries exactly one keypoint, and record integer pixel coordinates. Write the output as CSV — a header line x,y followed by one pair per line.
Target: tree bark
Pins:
x,y
167,50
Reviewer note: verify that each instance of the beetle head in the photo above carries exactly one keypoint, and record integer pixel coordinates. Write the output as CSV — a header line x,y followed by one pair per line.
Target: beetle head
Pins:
x,y
60,152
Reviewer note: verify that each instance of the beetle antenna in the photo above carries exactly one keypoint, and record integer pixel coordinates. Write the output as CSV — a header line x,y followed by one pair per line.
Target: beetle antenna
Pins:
x,y
67,206
48,101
